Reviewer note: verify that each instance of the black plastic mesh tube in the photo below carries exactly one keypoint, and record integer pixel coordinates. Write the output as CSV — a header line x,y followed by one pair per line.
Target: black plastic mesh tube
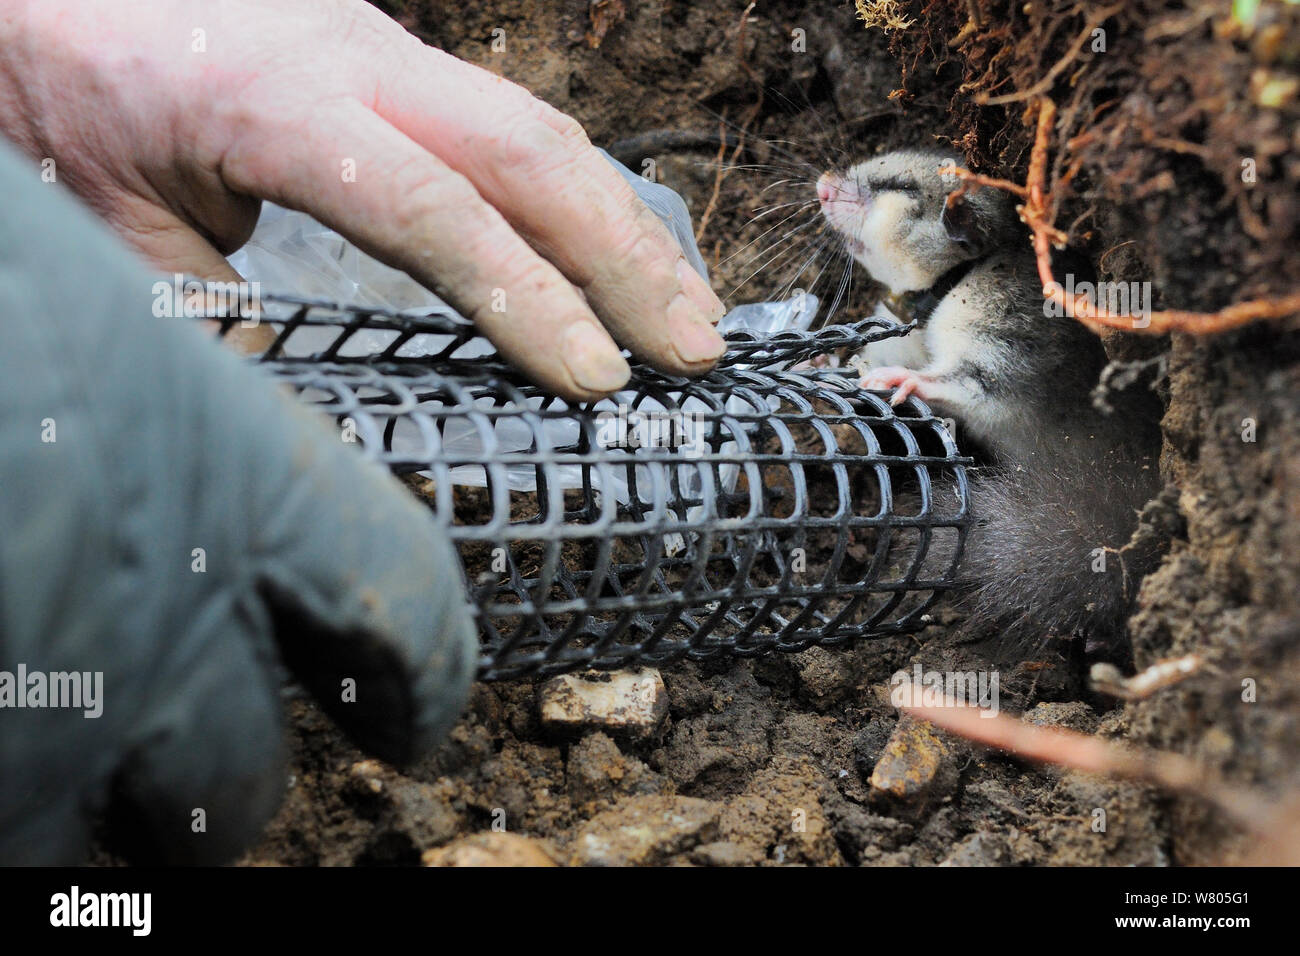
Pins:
x,y
757,508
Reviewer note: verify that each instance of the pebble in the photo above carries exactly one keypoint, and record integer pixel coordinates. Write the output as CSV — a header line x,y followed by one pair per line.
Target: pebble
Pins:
x,y
725,853
916,769
490,849
630,703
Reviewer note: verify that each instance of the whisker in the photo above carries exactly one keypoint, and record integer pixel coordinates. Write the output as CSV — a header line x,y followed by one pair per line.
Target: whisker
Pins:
x,y
793,239
752,137
764,265
848,299
788,287
791,286
845,278
787,182
750,167
765,211
775,225
786,237
831,133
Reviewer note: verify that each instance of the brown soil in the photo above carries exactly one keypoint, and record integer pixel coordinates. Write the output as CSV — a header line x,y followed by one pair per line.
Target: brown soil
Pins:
x,y
767,761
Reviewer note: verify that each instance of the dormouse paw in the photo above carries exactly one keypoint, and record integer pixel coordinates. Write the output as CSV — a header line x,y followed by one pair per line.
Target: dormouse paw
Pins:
x,y
904,381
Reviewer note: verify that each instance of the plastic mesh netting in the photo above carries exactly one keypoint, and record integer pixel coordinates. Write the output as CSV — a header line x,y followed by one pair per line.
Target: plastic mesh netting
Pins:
x,y
762,507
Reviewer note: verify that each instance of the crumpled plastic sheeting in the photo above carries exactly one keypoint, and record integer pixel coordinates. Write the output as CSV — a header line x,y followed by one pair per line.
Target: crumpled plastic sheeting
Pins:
x,y
291,253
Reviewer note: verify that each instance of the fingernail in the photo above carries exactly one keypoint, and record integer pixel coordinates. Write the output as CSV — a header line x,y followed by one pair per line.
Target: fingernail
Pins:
x,y
693,337
591,359
699,292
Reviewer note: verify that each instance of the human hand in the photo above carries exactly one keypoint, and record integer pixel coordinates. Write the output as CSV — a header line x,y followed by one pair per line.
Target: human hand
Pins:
x,y
175,118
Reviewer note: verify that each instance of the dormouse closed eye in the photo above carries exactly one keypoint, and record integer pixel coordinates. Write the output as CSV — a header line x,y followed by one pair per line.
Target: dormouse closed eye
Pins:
x,y
895,184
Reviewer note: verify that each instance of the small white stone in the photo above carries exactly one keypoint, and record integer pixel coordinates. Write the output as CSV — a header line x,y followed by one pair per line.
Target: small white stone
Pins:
x,y
629,702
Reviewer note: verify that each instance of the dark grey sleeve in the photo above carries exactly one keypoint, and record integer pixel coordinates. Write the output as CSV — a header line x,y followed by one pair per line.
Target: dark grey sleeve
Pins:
x,y
172,523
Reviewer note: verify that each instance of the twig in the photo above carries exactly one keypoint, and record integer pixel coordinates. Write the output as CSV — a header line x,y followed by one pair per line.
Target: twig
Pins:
x,y
1107,679
717,185
1118,375
1068,748
1036,215
744,127
740,45
1045,84
631,150
979,180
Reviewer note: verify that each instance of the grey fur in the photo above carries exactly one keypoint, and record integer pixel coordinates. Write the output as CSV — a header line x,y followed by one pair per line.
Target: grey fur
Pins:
x,y
1066,479
1054,550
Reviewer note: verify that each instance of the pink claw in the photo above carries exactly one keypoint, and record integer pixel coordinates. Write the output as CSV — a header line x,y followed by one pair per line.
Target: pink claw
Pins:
x,y
904,381
905,388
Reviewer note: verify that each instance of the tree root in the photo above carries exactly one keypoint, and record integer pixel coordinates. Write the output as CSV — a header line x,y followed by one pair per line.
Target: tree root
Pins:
x,y
1036,213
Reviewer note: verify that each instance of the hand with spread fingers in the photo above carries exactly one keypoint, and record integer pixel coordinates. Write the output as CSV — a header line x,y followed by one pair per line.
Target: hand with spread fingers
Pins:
x,y
175,118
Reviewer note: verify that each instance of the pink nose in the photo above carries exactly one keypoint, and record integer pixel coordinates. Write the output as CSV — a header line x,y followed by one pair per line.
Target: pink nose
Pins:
x,y
827,186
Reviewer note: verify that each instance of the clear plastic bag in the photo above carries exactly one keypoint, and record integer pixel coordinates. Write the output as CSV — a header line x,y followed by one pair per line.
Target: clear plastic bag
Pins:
x,y
291,253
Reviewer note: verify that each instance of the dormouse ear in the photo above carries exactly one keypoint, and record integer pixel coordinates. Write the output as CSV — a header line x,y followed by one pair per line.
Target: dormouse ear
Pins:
x,y
962,224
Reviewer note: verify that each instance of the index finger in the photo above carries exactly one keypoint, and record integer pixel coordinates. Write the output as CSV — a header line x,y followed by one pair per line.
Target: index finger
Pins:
x,y
405,206
538,168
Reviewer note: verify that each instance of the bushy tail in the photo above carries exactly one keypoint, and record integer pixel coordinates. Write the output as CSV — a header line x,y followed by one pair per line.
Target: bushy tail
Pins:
x,y
1053,550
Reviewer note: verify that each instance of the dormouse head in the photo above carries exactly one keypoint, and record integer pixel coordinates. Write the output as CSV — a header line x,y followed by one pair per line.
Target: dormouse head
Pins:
x,y
892,214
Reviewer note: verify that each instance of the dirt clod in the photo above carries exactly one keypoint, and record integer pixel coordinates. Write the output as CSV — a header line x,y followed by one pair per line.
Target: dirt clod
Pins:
x,y
491,849
645,830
